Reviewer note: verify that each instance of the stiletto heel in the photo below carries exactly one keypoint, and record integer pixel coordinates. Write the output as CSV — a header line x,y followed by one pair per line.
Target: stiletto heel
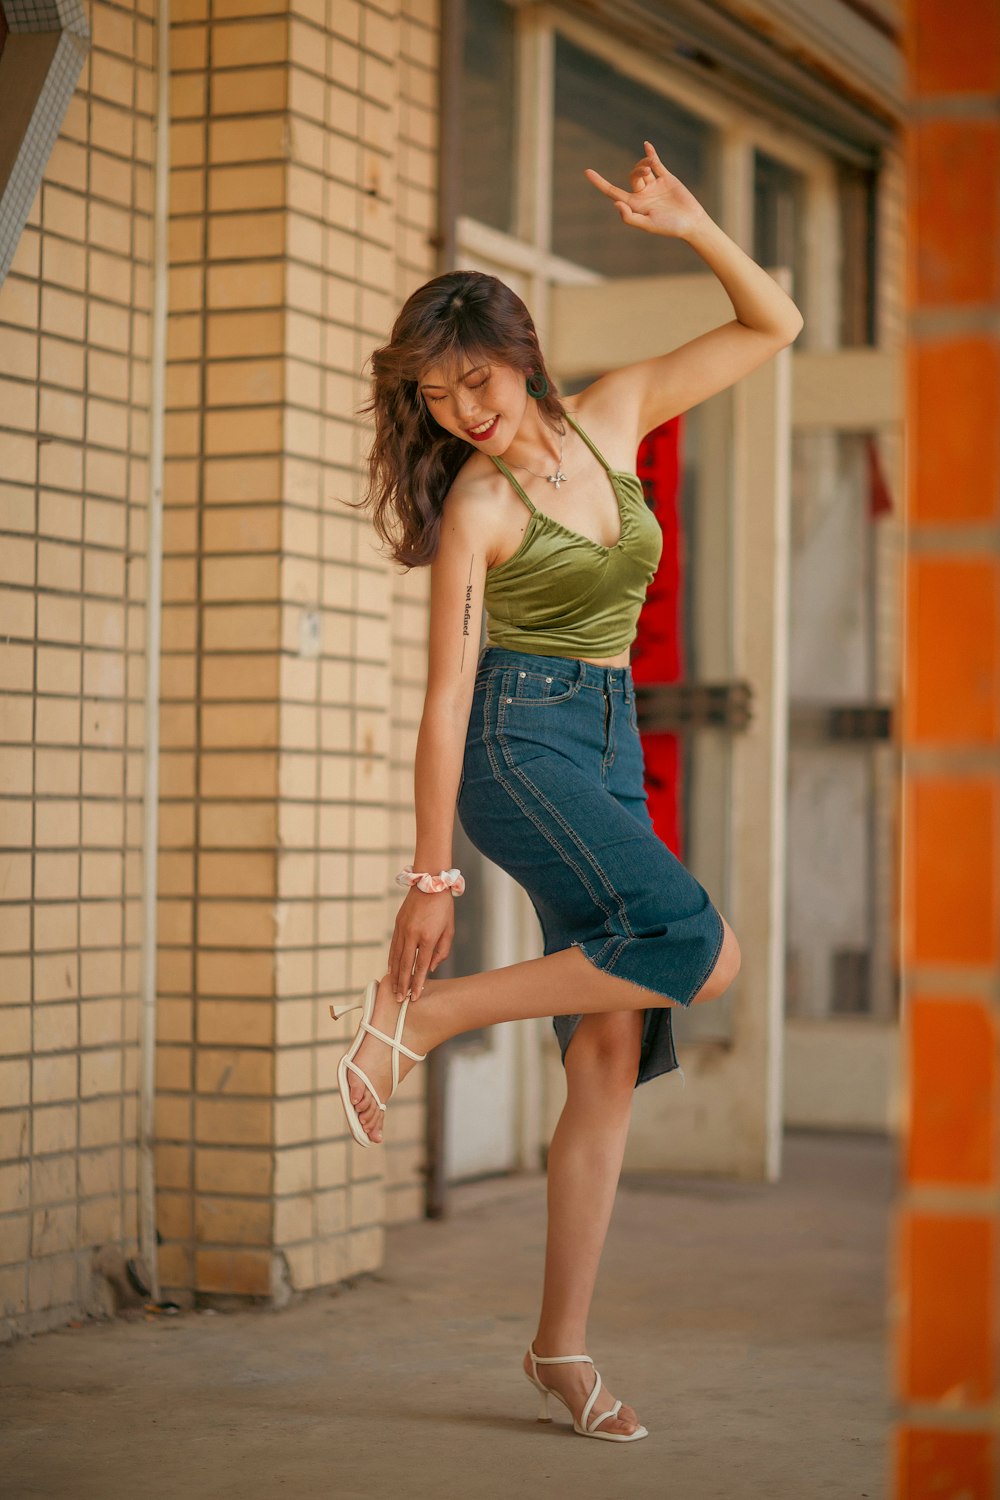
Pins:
x,y
543,1411
347,1064
584,1427
345,1009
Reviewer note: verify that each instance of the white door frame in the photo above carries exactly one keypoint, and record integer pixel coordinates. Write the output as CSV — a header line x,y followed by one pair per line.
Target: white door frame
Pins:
x,y
525,257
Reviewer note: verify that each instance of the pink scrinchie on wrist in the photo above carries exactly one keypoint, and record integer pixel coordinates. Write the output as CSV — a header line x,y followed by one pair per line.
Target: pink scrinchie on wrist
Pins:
x,y
452,880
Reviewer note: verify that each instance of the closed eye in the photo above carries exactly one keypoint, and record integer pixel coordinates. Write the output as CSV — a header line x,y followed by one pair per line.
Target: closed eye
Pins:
x,y
477,387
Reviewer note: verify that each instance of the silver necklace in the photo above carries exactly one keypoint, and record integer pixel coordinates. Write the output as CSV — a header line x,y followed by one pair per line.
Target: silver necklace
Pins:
x,y
558,477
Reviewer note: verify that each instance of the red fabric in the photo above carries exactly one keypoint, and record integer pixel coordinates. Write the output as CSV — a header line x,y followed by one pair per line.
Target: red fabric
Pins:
x,y
879,494
658,652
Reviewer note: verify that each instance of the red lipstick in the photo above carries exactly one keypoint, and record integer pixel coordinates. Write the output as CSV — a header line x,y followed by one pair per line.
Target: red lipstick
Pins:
x,y
487,432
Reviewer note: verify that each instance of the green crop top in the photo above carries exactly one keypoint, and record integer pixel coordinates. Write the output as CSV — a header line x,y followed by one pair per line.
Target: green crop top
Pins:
x,y
561,594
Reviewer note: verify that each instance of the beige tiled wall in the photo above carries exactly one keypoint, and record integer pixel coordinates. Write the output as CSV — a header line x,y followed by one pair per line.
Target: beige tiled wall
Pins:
x,y
302,203
303,157
220,665
74,343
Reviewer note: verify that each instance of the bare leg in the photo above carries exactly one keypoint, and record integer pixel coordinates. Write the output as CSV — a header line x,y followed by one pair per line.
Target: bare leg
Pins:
x,y
561,984
584,1165
589,1141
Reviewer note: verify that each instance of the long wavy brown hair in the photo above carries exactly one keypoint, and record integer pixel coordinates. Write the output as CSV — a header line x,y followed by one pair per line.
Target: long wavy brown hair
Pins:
x,y
413,461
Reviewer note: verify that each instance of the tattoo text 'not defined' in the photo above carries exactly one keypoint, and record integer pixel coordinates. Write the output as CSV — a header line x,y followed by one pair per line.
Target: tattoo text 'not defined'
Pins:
x,y
467,611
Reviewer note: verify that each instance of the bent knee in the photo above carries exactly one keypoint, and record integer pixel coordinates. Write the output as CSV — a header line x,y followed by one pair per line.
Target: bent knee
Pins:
x,y
726,967
729,955
605,1049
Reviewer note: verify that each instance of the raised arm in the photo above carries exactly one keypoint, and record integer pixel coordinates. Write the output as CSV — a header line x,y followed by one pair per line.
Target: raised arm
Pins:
x,y
425,923
654,390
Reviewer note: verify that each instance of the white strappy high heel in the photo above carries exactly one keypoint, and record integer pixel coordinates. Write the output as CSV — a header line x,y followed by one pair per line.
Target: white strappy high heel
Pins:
x,y
347,1064
584,1427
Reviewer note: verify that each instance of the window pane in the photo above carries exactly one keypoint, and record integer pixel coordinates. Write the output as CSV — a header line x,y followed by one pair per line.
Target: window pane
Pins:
x,y
841,783
601,119
856,187
778,217
487,115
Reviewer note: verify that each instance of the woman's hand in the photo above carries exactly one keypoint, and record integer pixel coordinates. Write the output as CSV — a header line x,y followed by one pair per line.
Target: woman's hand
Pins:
x,y
425,926
659,202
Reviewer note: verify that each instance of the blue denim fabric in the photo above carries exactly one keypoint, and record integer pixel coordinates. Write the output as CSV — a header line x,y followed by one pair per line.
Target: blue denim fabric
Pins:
x,y
552,791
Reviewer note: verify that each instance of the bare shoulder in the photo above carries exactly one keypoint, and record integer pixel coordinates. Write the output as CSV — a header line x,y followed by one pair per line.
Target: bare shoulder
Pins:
x,y
472,511
611,419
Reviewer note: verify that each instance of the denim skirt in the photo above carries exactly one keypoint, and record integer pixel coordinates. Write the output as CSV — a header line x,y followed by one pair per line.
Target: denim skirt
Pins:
x,y
552,791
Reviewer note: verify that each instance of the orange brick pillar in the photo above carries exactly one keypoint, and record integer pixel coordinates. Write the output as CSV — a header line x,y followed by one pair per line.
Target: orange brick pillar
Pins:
x,y
948,1215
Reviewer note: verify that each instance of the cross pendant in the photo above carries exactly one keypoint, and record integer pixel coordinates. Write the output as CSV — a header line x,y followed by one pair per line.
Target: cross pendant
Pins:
x,y
557,478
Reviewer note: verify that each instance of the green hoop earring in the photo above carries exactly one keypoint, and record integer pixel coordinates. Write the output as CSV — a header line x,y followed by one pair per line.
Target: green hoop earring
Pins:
x,y
537,385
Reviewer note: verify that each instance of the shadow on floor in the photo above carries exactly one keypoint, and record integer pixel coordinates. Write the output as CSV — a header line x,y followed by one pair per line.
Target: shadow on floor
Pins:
x,y
743,1321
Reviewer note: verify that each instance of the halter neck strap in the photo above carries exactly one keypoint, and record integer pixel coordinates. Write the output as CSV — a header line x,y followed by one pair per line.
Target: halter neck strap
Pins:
x,y
590,443
504,469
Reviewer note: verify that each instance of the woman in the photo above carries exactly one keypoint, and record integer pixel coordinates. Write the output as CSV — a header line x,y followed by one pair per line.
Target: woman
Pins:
x,y
536,735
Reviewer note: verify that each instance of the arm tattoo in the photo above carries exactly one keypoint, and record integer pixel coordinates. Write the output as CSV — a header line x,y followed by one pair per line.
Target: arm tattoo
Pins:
x,y
466,612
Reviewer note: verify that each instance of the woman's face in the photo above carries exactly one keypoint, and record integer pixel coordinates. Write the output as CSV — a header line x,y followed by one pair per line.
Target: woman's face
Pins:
x,y
482,402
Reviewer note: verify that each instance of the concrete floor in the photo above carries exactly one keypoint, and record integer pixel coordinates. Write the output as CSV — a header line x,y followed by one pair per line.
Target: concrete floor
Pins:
x,y
744,1322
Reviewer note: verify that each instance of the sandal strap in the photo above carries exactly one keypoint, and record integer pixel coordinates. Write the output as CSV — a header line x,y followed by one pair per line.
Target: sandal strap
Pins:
x,y
350,1063
554,1359
347,1064
396,1044
612,1411
559,1359
591,1399
393,1042
570,1359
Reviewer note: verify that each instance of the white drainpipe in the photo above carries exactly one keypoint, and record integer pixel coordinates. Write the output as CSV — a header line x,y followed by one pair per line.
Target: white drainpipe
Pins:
x,y
154,601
